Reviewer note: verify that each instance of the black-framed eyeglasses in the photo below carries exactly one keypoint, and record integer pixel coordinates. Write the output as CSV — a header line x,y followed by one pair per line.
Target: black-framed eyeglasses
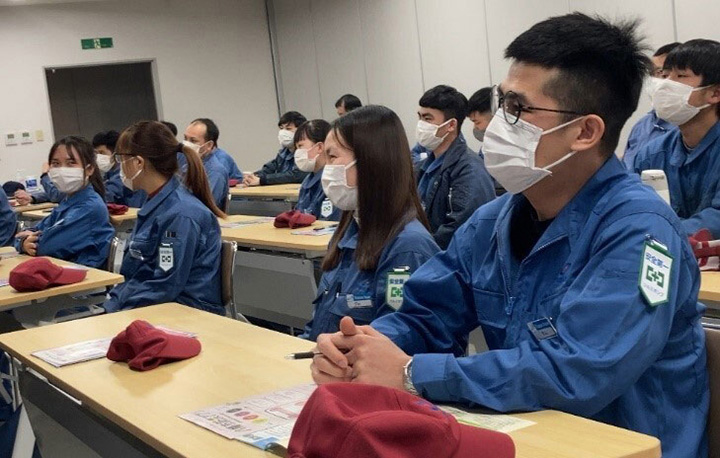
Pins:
x,y
513,108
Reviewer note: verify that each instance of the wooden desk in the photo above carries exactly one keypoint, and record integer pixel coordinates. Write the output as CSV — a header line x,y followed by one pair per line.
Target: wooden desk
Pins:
x,y
269,257
710,292
276,191
237,361
32,307
116,220
22,209
265,236
263,200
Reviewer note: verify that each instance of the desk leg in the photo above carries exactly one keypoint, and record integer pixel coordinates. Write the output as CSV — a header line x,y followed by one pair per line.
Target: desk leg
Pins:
x,y
64,428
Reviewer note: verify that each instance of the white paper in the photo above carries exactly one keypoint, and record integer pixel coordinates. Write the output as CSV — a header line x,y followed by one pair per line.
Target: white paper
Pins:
x,y
261,421
237,224
313,232
75,353
4,282
494,422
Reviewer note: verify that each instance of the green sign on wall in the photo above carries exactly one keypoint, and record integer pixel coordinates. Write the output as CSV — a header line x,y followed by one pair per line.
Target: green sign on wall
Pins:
x,y
96,43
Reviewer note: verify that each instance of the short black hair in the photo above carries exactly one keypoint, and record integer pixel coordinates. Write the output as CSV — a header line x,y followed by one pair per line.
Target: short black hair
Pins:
x,y
601,66
480,101
665,49
108,138
292,117
315,131
349,101
212,133
701,56
448,100
171,126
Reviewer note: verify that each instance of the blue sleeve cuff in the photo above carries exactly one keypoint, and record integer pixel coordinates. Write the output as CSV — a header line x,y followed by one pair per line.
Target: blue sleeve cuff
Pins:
x,y
429,376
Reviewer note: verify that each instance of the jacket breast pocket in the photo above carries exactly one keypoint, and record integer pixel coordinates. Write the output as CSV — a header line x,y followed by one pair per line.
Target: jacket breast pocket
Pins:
x,y
142,250
490,308
360,313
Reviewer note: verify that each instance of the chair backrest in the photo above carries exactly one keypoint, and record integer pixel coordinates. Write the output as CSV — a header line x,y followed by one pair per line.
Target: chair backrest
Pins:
x,y
227,204
227,270
20,226
712,342
112,254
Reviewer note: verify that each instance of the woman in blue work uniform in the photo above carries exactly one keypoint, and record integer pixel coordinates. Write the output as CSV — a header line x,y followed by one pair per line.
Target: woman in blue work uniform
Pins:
x,y
173,254
78,229
309,157
115,192
382,236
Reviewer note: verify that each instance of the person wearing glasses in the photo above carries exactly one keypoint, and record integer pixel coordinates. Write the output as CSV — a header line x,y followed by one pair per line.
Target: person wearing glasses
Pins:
x,y
650,126
580,277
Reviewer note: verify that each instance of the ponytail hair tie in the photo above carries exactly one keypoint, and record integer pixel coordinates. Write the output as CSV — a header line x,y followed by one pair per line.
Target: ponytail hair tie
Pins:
x,y
180,147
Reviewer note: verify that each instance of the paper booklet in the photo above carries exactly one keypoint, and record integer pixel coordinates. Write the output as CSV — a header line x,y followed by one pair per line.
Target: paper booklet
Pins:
x,y
237,224
267,421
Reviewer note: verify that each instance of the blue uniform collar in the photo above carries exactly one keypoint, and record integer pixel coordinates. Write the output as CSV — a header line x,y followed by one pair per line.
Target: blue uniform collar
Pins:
x,y
350,238
570,220
312,180
79,196
169,187
286,154
681,156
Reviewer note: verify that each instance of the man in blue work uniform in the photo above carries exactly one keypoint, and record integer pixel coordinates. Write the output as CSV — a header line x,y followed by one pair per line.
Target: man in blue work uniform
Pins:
x,y
8,221
650,126
452,180
690,155
202,135
580,277
282,168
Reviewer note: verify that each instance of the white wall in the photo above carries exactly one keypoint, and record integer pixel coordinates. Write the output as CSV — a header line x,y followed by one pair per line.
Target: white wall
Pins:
x,y
390,52
212,58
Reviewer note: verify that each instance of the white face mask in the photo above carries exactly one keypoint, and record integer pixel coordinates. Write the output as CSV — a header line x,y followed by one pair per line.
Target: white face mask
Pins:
x,y
426,134
334,183
128,181
68,180
302,160
104,163
286,137
671,101
479,134
510,152
195,147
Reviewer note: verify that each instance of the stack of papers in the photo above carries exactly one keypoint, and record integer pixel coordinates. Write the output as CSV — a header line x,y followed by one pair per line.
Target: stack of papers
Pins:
x,y
75,353
247,223
316,231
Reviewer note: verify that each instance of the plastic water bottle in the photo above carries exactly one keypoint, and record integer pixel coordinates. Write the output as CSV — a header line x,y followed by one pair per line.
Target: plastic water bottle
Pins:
x,y
657,180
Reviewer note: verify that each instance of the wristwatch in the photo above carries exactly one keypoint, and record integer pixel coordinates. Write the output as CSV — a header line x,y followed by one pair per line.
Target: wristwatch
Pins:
x,y
407,379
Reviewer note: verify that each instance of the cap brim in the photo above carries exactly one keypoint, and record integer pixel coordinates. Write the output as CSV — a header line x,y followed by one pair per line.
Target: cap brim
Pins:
x,y
70,275
483,443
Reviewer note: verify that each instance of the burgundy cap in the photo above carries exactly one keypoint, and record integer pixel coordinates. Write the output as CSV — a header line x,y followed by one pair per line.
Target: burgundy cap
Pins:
x,y
40,273
356,420
145,347
117,209
293,219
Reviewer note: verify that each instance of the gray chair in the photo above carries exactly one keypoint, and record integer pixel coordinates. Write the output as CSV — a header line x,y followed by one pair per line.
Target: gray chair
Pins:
x,y
112,255
712,343
227,271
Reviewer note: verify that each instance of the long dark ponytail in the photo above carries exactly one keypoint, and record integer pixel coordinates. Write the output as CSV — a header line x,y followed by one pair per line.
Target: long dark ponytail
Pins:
x,y
153,141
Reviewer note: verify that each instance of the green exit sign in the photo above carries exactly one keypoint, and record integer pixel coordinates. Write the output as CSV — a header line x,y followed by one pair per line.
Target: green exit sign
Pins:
x,y
96,43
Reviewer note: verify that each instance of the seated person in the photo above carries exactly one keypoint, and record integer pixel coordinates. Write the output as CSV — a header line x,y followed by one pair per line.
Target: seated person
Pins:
x,y
551,270
346,104
115,191
173,254
452,180
310,157
8,221
282,169
78,229
479,113
649,127
382,236
172,127
201,136
213,134
690,156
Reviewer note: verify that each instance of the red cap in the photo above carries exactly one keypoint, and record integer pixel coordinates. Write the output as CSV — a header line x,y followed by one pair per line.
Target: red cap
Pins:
x,y
232,182
40,273
293,219
356,420
117,209
145,347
